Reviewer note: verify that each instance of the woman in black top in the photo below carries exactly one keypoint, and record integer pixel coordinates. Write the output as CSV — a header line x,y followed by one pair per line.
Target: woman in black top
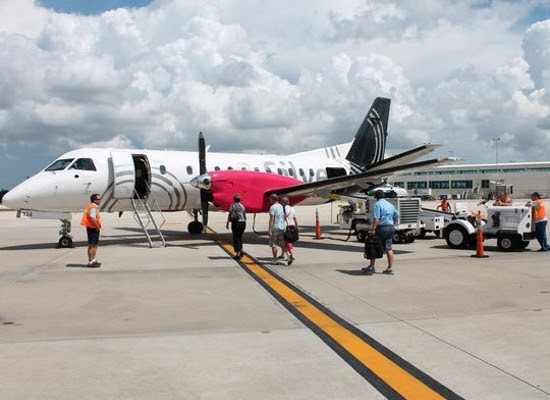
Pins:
x,y
237,217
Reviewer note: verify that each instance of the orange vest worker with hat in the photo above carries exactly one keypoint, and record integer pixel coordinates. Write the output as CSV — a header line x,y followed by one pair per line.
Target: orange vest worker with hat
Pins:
x,y
92,221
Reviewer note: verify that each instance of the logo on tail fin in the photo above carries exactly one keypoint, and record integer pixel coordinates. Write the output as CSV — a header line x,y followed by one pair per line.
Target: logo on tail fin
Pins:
x,y
369,144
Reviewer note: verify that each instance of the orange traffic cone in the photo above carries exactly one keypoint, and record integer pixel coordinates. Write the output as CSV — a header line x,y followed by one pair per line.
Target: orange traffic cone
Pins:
x,y
317,225
479,238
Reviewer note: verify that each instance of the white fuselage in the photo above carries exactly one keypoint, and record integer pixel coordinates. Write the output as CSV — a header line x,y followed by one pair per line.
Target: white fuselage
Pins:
x,y
161,176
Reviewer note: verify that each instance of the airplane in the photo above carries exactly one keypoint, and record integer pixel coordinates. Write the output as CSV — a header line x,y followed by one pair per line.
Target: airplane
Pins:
x,y
179,180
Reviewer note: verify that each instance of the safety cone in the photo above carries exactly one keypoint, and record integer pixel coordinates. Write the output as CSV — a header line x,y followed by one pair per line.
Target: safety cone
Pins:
x,y
317,225
479,239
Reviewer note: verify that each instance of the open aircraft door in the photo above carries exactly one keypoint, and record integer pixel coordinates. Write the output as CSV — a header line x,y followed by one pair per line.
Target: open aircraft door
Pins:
x,y
124,174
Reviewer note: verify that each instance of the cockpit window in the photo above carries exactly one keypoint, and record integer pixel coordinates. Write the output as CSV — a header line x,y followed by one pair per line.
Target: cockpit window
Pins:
x,y
59,165
85,164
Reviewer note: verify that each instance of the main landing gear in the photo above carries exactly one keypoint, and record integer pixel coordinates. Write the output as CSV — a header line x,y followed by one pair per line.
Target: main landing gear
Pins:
x,y
195,227
66,240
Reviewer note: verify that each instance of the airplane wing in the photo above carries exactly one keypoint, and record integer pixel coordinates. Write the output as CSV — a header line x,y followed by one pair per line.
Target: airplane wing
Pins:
x,y
372,176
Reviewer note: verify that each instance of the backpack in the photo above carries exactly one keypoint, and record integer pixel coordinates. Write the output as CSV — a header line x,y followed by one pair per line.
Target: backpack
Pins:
x,y
373,247
234,212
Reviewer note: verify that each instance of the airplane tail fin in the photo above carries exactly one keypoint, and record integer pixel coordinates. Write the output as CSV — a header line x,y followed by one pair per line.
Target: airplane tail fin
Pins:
x,y
369,144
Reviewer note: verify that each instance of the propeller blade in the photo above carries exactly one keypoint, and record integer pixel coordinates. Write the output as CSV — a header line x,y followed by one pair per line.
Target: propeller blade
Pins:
x,y
204,207
202,154
202,169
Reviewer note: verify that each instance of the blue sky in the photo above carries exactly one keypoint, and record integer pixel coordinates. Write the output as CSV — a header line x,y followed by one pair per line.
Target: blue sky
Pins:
x,y
154,73
88,7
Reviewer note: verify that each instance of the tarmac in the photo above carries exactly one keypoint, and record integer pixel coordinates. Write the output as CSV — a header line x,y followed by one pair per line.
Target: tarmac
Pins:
x,y
187,321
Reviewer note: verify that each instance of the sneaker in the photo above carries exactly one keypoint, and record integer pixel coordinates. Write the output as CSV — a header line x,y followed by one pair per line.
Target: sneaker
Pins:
x,y
94,264
388,271
290,260
368,270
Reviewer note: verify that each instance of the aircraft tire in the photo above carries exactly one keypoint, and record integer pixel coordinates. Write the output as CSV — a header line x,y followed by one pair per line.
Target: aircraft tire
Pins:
x,y
195,227
65,242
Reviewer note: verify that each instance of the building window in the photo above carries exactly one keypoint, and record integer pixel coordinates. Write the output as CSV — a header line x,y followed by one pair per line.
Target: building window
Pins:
x,y
417,185
439,184
466,184
485,184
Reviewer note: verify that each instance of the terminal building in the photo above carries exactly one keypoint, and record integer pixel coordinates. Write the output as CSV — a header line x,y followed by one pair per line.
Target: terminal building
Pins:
x,y
477,181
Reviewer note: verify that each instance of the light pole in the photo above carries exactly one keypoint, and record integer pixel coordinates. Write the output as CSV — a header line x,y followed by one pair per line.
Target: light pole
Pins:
x,y
496,140
450,155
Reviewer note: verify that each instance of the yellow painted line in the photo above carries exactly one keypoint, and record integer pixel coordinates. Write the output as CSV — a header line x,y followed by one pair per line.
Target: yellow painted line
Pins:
x,y
400,380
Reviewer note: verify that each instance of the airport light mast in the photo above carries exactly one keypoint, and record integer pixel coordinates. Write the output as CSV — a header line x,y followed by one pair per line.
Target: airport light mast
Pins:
x,y
496,140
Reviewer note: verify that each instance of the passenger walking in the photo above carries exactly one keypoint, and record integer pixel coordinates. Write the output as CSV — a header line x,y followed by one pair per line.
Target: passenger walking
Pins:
x,y
237,217
539,219
385,217
503,200
292,223
277,227
92,221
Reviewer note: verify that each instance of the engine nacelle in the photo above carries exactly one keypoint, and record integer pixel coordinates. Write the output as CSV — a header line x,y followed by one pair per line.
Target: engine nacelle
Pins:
x,y
251,185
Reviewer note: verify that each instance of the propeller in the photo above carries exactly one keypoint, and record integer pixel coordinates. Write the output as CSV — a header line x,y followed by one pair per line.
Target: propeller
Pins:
x,y
205,184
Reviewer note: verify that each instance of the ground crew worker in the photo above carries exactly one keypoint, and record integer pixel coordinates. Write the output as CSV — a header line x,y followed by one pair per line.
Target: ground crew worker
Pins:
x,y
445,205
539,219
503,200
92,221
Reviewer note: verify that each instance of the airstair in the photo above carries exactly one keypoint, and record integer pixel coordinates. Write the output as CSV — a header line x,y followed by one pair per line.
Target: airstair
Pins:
x,y
144,217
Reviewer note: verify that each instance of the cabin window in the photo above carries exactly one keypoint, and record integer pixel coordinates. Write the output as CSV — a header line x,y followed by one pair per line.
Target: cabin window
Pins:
x,y
216,168
189,170
290,172
256,169
279,171
243,168
268,170
85,164
162,169
230,168
59,165
301,172
311,173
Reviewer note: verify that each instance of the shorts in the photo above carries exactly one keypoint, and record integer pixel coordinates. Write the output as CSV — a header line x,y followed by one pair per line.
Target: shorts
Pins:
x,y
277,238
93,236
385,234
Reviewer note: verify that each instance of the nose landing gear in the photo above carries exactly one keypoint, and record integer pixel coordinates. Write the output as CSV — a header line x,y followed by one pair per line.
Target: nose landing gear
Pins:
x,y
66,240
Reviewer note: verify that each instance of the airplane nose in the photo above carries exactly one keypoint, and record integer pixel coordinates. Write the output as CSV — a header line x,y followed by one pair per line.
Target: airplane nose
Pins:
x,y
16,199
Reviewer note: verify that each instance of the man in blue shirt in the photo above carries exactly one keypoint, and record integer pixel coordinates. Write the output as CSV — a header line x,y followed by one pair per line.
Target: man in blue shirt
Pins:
x,y
385,217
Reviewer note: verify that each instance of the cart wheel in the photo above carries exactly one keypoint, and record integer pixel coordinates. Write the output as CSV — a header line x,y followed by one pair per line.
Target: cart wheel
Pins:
x,y
507,243
456,237
361,236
